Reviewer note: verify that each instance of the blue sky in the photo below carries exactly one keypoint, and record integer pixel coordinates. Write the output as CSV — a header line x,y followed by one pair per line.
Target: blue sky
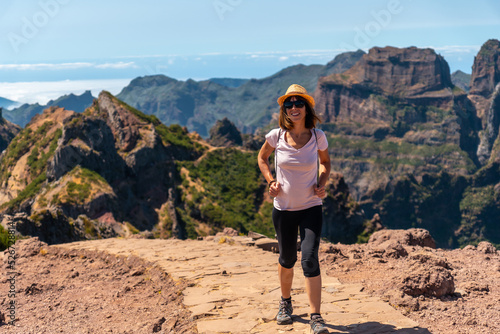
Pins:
x,y
109,42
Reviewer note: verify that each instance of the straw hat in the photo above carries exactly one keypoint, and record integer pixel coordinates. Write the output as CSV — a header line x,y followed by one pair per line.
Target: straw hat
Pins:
x,y
296,90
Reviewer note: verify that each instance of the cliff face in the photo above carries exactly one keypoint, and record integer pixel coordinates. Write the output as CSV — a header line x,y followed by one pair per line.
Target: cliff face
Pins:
x,y
402,72
414,75
484,93
489,147
486,69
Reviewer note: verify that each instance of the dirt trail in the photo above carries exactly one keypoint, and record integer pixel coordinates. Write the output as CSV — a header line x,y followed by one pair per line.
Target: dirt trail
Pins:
x,y
234,288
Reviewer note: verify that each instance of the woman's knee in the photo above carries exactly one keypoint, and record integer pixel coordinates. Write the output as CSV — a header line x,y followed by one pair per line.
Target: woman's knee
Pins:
x,y
287,261
310,266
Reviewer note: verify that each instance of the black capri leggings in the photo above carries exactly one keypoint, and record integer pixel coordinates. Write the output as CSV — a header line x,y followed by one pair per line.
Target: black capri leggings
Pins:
x,y
286,224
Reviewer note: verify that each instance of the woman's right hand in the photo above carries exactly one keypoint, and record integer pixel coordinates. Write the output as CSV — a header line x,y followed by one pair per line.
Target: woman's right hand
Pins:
x,y
274,189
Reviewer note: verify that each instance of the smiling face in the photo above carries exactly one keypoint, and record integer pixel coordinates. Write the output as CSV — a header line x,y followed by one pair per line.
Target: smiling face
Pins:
x,y
296,109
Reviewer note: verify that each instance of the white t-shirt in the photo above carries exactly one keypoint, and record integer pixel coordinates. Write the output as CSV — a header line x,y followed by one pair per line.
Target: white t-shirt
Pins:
x,y
297,170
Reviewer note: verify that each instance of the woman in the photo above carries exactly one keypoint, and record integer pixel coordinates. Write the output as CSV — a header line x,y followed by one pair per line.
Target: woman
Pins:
x,y
298,191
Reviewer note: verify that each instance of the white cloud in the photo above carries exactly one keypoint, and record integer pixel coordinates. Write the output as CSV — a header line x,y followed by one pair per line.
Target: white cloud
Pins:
x,y
43,91
42,66
119,65
457,49
65,66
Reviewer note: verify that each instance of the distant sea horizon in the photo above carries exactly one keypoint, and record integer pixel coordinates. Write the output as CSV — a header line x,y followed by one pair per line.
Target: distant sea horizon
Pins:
x,y
41,92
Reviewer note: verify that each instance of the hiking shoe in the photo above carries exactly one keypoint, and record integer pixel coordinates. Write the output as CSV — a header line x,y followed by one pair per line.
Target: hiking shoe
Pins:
x,y
284,316
318,325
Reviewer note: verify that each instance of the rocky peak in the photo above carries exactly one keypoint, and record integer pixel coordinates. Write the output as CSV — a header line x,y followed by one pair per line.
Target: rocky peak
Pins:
x,y
382,81
126,125
486,69
393,71
54,114
225,133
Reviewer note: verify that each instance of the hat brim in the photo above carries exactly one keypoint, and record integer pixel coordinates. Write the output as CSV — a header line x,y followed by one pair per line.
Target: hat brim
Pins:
x,y
306,97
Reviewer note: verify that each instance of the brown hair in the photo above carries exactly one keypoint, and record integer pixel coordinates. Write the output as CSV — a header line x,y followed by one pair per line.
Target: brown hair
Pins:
x,y
311,118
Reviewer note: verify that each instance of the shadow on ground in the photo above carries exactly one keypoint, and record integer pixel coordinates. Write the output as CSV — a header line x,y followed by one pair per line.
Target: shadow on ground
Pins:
x,y
372,327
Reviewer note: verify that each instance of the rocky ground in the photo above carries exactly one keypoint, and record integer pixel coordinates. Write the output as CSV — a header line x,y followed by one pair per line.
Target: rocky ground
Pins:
x,y
446,291
80,291
75,291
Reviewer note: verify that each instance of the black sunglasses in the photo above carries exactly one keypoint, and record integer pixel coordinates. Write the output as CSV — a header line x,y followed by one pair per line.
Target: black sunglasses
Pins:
x,y
298,104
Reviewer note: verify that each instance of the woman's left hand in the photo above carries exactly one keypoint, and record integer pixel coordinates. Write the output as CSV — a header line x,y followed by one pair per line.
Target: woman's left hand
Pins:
x,y
320,191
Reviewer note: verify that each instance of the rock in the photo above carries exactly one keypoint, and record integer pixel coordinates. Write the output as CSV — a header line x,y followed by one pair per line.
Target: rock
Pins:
x,y
402,300
394,250
29,247
255,235
430,259
224,133
33,289
228,231
435,282
157,325
469,248
486,248
475,287
410,237
332,249
486,69
267,244
427,275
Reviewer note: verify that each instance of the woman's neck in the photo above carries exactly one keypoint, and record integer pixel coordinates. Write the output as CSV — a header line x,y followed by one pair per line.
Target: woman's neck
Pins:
x,y
298,129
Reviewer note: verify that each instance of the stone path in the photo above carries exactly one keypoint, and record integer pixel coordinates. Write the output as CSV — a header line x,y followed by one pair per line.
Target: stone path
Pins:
x,y
235,288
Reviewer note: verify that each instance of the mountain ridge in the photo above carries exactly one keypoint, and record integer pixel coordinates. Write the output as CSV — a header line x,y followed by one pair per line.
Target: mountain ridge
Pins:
x,y
22,114
198,105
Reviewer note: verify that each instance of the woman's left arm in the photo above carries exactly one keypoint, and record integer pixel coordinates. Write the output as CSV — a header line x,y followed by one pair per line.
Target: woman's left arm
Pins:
x,y
324,173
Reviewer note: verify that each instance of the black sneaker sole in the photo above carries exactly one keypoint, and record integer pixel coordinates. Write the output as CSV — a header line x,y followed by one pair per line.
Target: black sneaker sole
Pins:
x,y
285,322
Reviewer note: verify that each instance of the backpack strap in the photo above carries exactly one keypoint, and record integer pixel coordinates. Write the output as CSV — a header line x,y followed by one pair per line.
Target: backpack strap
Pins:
x,y
317,157
276,155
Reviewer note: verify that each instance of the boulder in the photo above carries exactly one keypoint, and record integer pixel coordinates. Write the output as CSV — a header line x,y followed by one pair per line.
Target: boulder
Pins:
x,y
28,247
228,231
410,237
486,247
427,275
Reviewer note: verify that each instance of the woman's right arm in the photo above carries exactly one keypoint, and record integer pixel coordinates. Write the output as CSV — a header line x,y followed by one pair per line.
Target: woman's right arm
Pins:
x,y
263,161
